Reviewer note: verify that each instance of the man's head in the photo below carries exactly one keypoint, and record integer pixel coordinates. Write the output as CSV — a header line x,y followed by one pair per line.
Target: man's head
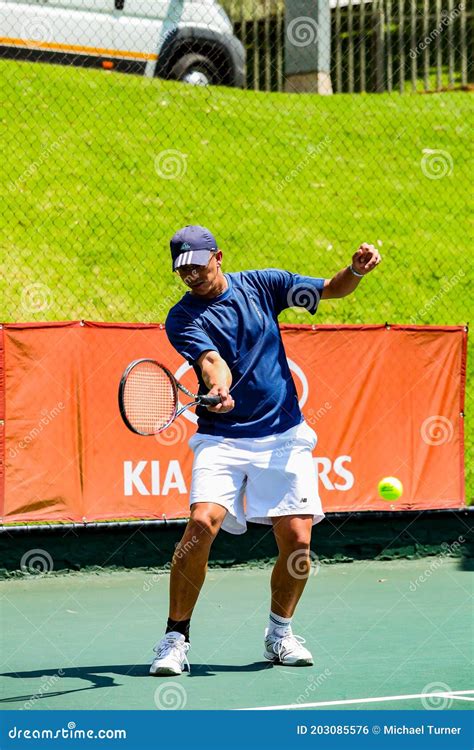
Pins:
x,y
197,259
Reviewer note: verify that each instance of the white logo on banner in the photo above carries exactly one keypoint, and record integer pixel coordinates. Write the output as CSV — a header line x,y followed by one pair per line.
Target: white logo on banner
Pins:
x,y
295,369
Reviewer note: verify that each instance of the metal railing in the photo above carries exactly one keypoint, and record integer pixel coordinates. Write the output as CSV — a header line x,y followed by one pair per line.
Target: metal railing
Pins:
x,y
376,46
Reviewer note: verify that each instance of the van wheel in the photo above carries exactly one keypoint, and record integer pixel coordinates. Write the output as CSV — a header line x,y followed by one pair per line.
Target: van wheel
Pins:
x,y
195,69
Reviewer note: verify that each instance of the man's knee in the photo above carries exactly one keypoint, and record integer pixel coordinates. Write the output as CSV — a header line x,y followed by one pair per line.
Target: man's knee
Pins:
x,y
204,524
293,536
295,545
294,549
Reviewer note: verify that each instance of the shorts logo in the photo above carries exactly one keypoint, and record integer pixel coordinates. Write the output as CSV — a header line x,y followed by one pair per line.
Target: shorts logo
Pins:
x,y
304,499
185,246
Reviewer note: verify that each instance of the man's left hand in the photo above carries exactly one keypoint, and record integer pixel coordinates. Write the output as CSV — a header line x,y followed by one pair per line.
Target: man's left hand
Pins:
x,y
365,259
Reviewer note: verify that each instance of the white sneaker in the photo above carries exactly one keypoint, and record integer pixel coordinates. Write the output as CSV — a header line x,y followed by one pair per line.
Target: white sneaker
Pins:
x,y
287,650
170,655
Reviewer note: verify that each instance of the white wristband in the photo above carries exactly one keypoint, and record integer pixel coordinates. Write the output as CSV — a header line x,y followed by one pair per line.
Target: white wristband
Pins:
x,y
360,275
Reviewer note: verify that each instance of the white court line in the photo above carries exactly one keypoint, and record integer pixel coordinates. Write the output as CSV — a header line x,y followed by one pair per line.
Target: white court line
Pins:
x,y
451,694
461,698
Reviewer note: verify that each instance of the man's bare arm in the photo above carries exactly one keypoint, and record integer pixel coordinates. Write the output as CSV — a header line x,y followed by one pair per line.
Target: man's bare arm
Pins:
x,y
345,281
218,378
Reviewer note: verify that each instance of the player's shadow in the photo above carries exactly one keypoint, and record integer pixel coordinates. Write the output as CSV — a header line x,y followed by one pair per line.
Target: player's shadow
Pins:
x,y
102,677
208,670
48,687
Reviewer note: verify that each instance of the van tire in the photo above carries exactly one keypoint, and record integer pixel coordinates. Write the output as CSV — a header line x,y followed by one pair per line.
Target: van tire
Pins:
x,y
191,63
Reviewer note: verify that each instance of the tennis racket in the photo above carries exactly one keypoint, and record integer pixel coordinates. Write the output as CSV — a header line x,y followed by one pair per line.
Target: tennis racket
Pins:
x,y
148,397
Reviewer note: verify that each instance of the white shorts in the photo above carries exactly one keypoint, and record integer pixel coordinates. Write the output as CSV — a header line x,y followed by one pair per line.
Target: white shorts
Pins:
x,y
257,479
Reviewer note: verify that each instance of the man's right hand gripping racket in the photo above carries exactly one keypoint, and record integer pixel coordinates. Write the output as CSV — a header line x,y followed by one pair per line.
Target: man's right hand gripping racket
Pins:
x,y
148,397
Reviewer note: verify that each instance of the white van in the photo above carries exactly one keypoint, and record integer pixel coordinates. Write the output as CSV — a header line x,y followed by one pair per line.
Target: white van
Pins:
x,y
188,40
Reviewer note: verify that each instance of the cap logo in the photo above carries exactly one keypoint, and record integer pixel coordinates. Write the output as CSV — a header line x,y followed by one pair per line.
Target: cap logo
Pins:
x,y
185,246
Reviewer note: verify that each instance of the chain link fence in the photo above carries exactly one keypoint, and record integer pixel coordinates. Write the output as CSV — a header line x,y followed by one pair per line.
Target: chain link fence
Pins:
x,y
100,168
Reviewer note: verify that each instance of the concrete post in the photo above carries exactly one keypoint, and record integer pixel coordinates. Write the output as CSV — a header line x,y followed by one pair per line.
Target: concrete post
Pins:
x,y
308,46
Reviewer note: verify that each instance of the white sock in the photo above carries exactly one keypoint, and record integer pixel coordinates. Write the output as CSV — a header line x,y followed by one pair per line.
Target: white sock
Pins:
x,y
279,625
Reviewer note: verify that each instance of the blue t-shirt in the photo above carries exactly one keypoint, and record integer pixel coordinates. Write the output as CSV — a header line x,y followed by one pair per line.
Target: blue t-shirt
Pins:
x,y
241,324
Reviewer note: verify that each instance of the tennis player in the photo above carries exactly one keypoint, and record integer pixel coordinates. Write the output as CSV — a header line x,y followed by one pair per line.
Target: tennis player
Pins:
x,y
255,442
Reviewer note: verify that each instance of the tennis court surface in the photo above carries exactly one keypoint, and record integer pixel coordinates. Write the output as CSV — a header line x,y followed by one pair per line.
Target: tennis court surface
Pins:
x,y
376,629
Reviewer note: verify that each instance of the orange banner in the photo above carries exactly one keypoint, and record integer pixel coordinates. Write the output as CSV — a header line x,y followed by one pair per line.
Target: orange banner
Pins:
x,y
384,401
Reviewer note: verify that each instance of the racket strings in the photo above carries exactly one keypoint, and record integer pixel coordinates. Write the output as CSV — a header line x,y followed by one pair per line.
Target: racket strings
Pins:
x,y
149,398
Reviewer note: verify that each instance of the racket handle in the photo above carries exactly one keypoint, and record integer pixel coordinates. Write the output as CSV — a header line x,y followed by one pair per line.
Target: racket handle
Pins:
x,y
209,400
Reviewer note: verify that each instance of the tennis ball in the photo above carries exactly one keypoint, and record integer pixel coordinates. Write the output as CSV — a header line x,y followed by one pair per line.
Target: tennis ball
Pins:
x,y
390,488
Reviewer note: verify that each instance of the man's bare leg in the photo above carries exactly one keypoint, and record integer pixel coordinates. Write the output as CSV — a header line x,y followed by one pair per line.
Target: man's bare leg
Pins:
x,y
291,570
188,571
289,576
189,565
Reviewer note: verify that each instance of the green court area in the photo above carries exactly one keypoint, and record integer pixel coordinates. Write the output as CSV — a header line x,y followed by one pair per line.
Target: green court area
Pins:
x,y
376,630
